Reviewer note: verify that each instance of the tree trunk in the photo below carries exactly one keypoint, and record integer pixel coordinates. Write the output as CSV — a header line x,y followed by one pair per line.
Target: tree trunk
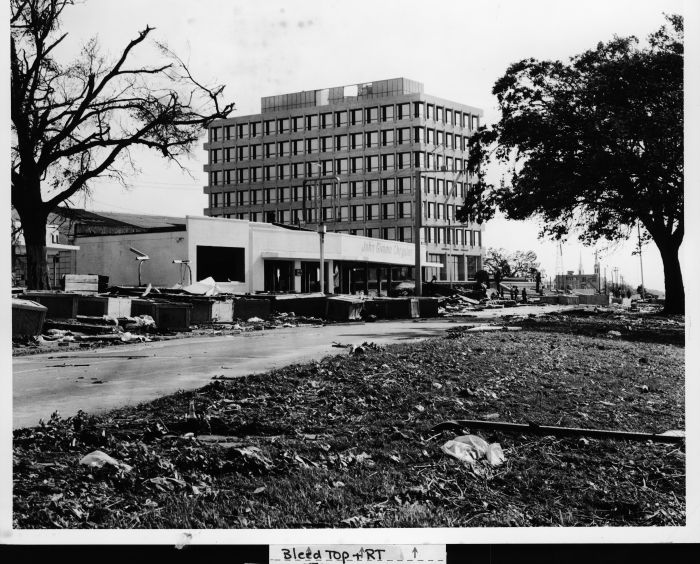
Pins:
x,y
673,279
34,230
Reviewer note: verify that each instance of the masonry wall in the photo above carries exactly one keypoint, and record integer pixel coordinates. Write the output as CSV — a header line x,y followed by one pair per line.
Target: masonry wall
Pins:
x,y
110,255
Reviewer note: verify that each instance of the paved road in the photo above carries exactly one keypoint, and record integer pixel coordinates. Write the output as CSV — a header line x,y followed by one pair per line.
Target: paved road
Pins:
x,y
103,379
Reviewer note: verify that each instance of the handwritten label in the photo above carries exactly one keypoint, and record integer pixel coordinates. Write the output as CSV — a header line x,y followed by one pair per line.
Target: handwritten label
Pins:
x,y
355,553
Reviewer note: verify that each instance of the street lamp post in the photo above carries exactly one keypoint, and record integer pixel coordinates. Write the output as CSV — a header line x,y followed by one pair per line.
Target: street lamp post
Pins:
x,y
318,208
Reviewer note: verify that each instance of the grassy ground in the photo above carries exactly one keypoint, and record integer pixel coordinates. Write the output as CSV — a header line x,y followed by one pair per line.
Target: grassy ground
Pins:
x,y
348,441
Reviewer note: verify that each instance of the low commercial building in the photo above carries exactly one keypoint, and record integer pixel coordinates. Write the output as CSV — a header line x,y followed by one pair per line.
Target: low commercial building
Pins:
x,y
249,257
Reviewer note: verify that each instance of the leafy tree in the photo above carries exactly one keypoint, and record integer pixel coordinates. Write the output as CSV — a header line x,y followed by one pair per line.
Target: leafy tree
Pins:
x,y
592,146
72,123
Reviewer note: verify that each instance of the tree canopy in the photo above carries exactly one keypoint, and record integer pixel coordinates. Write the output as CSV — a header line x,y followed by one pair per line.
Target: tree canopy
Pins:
x,y
76,121
592,146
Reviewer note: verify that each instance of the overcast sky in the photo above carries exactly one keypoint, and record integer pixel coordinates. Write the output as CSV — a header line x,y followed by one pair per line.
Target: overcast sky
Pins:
x,y
456,48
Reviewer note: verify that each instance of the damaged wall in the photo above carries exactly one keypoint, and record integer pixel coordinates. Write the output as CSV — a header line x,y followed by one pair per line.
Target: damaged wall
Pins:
x,y
110,256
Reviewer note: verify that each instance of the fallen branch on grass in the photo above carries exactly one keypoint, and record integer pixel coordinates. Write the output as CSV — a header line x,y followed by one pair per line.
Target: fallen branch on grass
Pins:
x,y
534,428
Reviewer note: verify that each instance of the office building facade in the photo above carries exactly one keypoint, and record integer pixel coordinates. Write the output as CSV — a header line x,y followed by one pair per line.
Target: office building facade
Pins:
x,y
348,156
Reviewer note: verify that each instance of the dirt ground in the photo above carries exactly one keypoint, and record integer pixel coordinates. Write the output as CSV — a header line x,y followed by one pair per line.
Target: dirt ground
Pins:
x,y
351,442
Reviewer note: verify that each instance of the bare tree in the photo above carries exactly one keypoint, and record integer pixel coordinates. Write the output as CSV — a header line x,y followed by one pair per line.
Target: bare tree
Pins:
x,y
73,123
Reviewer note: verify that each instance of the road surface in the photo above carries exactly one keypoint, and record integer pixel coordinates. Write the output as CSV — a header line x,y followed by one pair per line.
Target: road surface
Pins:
x,y
103,379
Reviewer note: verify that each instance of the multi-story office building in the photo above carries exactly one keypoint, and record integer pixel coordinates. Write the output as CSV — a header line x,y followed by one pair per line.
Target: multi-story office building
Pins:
x,y
354,152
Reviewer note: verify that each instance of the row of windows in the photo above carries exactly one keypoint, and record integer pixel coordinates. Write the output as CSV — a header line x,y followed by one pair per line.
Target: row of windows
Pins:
x,y
345,190
353,165
342,118
359,189
329,144
450,236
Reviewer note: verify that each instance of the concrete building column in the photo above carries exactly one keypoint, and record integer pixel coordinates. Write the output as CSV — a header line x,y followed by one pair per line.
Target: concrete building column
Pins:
x,y
297,277
330,279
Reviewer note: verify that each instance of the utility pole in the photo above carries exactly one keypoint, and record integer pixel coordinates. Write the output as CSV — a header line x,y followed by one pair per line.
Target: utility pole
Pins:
x,y
641,266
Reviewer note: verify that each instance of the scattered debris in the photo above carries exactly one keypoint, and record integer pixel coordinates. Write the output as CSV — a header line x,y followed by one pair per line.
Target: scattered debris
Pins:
x,y
98,459
472,448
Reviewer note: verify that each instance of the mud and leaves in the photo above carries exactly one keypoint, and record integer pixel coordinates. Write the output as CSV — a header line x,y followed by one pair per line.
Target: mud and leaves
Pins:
x,y
346,442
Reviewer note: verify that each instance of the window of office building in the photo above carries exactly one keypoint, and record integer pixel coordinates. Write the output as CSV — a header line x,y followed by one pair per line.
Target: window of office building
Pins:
x,y
326,144
341,118
327,120
230,132
371,138
448,117
243,130
215,156
284,216
439,161
269,172
312,122
214,200
403,185
404,209
439,137
405,234
242,152
418,134
372,211
341,166
284,194
242,198
327,167
297,193
283,170
475,122
356,165
431,210
356,141
344,190
255,128
448,140
229,199
371,188
357,213
439,116
389,233
403,160
297,147
439,211
270,195
312,146
255,152
419,159
458,164
327,190
229,154
387,137
269,127
356,189
388,211
429,136
429,111
440,186
256,197
418,109
356,116
283,125
242,175
256,174
214,134
371,115
297,170
343,213
403,135
297,123
327,214
402,110
270,217
372,163
341,142
388,186
270,150
371,232
387,113
283,148
388,162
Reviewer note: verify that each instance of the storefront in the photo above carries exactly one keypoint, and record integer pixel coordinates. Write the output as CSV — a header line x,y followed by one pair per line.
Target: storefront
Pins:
x,y
253,257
